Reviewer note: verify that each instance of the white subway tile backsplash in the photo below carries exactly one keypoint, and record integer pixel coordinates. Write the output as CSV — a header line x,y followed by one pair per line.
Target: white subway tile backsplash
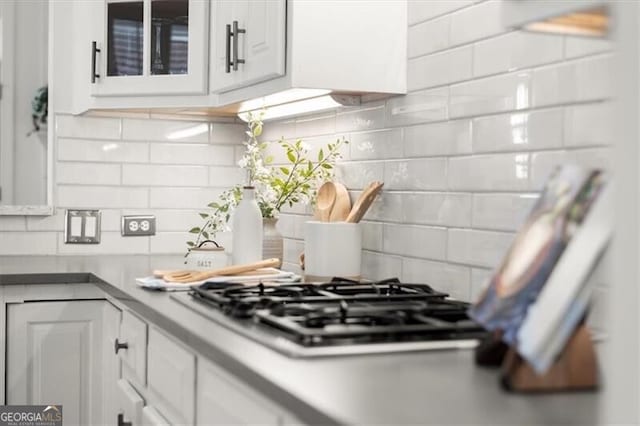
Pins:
x,y
54,222
503,212
513,51
110,243
376,266
588,125
477,22
316,125
576,46
368,117
356,175
439,68
169,242
28,243
489,95
499,172
387,207
76,196
88,174
88,127
13,223
164,175
182,198
429,37
542,164
521,131
375,145
371,236
479,281
87,150
452,279
597,158
110,219
438,139
226,177
173,220
427,174
195,154
415,241
165,130
577,81
228,133
422,10
478,248
417,107
437,208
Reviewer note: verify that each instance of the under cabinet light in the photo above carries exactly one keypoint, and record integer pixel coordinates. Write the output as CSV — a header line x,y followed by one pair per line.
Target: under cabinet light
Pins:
x,y
593,22
294,102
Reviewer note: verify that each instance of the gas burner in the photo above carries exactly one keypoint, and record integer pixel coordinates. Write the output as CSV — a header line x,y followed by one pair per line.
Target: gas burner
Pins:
x,y
344,312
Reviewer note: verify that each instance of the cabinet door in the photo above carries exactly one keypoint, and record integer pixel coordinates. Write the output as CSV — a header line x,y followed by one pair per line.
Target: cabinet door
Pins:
x,y
130,405
172,377
54,357
133,351
223,400
110,362
151,47
262,45
151,417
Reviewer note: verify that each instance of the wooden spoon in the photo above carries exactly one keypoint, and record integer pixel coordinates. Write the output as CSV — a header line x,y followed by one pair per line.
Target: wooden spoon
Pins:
x,y
326,200
342,206
364,201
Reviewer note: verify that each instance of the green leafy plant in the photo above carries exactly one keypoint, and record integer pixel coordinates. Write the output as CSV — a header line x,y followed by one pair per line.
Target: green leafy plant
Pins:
x,y
292,182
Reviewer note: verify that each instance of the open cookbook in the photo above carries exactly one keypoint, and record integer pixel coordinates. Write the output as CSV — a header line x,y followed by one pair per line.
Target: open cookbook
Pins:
x,y
540,292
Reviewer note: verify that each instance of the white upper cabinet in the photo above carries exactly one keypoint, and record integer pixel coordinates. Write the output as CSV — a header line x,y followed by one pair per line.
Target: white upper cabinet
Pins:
x,y
150,47
181,54
247,42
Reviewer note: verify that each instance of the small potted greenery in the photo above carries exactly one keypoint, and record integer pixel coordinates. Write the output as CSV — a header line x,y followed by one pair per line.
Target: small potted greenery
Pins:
x,y
276,186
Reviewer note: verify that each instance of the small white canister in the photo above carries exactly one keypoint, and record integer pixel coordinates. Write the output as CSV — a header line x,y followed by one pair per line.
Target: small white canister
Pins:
x,y
208,255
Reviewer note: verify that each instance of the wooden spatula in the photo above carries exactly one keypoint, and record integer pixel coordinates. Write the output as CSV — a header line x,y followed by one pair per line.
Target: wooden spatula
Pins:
x,y
364,201
192,276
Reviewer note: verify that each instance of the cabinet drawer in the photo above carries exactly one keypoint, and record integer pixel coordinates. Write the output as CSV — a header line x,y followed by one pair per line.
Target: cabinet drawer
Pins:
x,y
133,333
130,404
151,417
224,400
172,378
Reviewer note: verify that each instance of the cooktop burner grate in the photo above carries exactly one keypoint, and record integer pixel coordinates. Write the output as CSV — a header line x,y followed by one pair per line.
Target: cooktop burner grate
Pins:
x,y
345,312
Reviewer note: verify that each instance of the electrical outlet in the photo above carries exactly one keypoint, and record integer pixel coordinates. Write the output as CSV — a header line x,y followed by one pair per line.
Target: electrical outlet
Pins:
x,y
82,227
138,225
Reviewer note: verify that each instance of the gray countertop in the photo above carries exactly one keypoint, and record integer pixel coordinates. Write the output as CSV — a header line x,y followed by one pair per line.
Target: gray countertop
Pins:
x,y
436,387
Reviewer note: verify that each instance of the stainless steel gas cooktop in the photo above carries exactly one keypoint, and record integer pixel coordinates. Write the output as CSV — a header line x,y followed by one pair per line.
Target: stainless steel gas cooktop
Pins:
x,y
338,318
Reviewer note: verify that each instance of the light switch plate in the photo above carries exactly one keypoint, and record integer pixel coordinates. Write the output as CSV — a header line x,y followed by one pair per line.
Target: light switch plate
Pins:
x,y
82,227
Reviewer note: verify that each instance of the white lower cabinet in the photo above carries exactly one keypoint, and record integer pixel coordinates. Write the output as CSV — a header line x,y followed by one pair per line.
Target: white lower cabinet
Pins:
x,y
112,317
54,357
151,417
130,404
223,400
172,378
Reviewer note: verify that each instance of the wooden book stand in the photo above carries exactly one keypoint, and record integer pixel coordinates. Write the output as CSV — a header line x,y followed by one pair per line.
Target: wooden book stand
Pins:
x,y
576,368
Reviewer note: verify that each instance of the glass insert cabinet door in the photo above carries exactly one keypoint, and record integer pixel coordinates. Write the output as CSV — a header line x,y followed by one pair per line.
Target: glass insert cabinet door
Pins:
x,y
151,47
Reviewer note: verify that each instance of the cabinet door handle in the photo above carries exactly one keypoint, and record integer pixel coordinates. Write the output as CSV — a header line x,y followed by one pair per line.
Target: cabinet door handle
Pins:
x,y
121,345
94,52
227,58
235,33
121,421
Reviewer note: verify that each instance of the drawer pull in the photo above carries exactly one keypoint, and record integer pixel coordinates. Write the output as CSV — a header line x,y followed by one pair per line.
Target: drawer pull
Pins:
x,y
121,345
236,32
94,52
121,421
